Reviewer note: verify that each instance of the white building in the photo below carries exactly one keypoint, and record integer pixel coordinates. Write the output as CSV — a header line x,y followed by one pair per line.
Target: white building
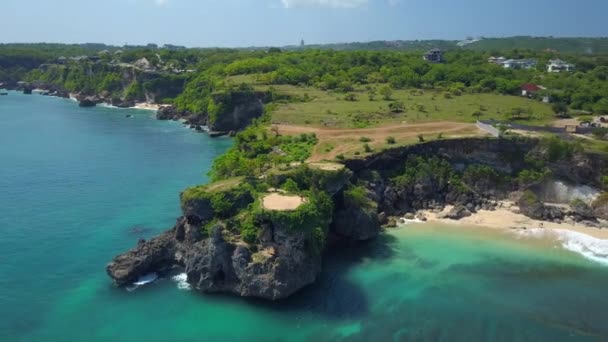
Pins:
x,y
519,63
557,65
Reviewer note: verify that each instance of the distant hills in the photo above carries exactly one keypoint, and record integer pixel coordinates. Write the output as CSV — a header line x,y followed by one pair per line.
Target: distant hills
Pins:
x,y
564,45
580,45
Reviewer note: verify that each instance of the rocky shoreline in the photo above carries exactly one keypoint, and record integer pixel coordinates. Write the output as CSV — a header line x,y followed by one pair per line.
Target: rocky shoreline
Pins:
x,y
366,195
240,108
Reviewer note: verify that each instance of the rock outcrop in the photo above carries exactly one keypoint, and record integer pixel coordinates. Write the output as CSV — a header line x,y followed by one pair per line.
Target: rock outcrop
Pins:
x,y
357,223
458,212
235,110
88,101
531,206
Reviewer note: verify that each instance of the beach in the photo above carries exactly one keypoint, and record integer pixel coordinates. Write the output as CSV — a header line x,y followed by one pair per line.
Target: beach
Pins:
x,y
506,216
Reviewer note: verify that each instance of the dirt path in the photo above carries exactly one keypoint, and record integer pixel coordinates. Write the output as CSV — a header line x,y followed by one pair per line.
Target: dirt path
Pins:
x,y
344,141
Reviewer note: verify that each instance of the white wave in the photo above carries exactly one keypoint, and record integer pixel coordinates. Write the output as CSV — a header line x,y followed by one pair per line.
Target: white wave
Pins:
x,y
182,281
591,248
143,280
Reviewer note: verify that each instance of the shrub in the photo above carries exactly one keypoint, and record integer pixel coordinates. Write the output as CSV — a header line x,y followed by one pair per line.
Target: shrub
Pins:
x,y
340,157
290,186
396,107
600,132
420,138
365,139
391,140
367,148
350,97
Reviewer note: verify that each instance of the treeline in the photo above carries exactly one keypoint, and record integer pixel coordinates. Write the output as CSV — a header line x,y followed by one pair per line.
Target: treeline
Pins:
x,y
341,71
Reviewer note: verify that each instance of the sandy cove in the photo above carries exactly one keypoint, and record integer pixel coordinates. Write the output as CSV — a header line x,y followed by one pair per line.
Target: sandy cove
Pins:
x,y
507,216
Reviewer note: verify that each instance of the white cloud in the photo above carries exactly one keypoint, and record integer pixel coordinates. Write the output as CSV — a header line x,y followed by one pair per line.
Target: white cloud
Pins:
x,y
324,3
161,2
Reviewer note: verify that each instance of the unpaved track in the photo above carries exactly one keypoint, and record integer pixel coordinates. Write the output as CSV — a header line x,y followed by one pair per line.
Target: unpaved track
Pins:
x,y
345,140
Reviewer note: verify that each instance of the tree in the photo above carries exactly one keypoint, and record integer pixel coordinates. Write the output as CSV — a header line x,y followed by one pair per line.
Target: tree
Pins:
x,y
396,107
386,92
559,108
391,140
601,106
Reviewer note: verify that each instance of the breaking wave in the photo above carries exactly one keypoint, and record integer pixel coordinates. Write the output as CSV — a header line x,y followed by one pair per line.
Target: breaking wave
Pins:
x,y
591,248
182,281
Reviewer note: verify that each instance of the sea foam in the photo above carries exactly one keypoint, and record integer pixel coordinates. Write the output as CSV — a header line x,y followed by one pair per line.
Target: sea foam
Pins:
x,y
143,280
591,248
182,281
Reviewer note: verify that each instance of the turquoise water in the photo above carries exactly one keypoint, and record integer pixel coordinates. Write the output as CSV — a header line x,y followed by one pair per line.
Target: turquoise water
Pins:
x,y
80,185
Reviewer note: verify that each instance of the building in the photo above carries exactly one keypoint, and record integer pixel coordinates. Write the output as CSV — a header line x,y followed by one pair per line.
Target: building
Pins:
x,y
496,60
557,65
529,89
519,63
433,56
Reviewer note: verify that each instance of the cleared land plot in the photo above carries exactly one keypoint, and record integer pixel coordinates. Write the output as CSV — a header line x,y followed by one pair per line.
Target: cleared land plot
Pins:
x,y
281,202
331,109
347,142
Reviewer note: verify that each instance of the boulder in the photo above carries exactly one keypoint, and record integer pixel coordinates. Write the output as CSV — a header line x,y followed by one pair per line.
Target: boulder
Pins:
x,y
458,212
120,103
582,211
88,102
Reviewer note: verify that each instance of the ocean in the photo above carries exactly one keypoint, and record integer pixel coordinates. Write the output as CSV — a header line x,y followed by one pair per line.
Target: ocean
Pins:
x,y
80,185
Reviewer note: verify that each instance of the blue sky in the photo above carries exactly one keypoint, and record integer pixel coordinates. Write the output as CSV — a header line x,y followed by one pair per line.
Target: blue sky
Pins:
x,y
239,23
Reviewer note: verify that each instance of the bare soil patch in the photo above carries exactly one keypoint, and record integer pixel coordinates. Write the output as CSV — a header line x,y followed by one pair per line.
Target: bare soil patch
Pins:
x,y
276,201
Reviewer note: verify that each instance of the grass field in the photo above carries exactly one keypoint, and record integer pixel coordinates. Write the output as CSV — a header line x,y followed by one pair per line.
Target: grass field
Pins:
x,y
331,109
350,143
360,125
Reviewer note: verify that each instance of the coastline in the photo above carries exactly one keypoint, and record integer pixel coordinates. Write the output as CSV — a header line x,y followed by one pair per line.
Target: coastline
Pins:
x,y
507,217
138,105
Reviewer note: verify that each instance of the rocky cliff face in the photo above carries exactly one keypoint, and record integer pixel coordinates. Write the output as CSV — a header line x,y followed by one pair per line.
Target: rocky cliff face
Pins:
x,y
235,110
214,243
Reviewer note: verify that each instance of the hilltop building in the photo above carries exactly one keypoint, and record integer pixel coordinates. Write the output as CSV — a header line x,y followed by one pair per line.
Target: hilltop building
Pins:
x,y
433,56
557,65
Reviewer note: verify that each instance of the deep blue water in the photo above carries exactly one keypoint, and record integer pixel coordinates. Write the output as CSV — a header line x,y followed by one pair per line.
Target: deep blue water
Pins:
x,y
78,186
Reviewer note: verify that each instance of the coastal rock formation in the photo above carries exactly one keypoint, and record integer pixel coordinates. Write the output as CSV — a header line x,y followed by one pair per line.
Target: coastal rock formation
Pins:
x,y
230,241
265,253
88,101
458,212
531,206
235,110
357,223
582,211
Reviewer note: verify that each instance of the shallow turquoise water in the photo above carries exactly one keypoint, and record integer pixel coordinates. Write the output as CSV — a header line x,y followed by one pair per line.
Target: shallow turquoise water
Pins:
x,y
80,185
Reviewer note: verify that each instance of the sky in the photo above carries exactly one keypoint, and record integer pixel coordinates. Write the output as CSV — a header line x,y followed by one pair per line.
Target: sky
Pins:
x,y
243,23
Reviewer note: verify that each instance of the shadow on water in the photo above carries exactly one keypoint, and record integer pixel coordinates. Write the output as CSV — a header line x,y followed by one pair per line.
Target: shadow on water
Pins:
x,y
334,295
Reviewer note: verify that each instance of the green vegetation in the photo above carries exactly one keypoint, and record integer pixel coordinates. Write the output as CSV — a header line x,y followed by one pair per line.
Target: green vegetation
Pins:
x,y
560,149
324,87
417,169
255,151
